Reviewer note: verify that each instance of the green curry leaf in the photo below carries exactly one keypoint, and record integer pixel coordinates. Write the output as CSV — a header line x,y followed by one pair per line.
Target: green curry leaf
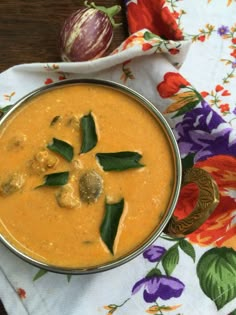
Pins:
x,y
89,135
55,120
110,223
63,148
55,179
119,161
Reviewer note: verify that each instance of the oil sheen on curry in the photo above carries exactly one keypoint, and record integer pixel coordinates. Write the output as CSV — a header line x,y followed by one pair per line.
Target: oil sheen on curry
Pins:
x,y
86,174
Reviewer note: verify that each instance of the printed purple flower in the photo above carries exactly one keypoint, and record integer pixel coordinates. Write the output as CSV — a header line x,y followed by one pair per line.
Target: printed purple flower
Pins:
x,y
154,253
234,111
155,287
234,64
204,133
222,30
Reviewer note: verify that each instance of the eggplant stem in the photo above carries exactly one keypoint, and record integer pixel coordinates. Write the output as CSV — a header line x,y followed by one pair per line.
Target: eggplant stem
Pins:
x,y
110,12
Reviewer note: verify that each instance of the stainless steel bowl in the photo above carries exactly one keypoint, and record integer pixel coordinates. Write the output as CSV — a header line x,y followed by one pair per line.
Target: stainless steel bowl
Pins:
x,y
175,227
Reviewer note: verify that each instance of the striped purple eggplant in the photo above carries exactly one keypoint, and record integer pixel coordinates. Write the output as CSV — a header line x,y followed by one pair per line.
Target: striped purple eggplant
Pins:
x,y
87,33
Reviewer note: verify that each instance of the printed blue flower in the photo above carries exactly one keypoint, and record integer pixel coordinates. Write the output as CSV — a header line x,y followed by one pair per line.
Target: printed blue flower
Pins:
x,y
205,133
154,253
155,287
223,30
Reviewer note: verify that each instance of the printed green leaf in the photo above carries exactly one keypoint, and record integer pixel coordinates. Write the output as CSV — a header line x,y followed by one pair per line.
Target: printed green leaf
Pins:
x,y
154,272
216,271
188,249
119,161
149,35
89,135
55,179
110,223
186,108
188,161
39,274
69,277
170,259
63,148
233,313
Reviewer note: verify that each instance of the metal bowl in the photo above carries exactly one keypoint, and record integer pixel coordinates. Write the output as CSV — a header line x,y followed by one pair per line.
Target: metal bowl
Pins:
x,y
168,222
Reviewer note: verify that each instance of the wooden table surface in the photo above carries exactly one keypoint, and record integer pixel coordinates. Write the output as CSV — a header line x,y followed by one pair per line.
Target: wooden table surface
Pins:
x,y
29,32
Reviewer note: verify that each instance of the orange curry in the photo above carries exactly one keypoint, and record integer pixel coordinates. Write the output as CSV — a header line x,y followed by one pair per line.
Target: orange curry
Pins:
x,y
53,224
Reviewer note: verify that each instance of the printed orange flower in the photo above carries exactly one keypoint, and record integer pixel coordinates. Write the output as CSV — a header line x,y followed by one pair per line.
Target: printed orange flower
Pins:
x,y
48,81
219,88
154,309
156,18
204,94
21,292
201,38
224,108
233,54
226,93
220,228
181,100
171,85
146,46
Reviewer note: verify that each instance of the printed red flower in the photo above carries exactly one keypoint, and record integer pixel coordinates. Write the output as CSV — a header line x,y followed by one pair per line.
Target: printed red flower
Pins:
x,y
48,81
173,51
224,108
226,93
204,94
233,54
219,88
129,40
171,85
21,292
201,38
61,77
234,40
175,14
146,46
154,17
220,229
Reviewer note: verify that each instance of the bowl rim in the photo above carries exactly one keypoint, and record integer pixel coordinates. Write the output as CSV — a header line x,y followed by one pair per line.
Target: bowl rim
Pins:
x,y
143,101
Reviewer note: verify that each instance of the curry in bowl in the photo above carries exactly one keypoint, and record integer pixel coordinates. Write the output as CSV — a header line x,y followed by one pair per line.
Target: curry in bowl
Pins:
x,y
87,174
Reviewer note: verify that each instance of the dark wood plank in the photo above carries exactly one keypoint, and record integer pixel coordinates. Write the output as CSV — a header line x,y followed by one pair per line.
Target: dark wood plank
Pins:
x,y
29,32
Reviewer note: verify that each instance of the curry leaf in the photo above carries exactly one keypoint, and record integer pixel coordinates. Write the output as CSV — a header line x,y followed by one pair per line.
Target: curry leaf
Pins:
x,y
63,148
89,135
55,179
216,271
55,120
170,259
110,223
119,161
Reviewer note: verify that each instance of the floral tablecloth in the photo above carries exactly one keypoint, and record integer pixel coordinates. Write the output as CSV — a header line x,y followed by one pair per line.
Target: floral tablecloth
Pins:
x,y
181,55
